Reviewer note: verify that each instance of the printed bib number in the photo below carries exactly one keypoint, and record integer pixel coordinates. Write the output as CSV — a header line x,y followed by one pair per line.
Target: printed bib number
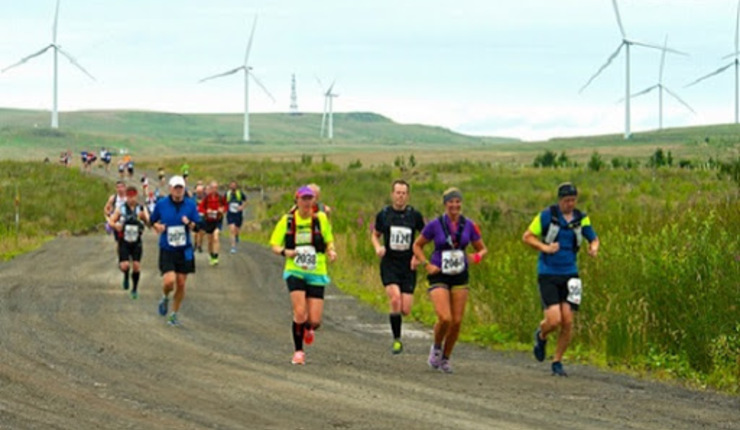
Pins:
x,y
212,215
305,257
400,238
574,291
176,235
453,261
234,207
131,233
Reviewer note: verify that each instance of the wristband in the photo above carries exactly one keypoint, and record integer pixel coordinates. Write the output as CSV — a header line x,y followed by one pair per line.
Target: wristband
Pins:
x,y
282,252
476,258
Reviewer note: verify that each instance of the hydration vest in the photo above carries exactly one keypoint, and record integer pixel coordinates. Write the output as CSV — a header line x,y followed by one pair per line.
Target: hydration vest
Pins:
x,y
237,194
453,244
407,217
132,218
317,239
551,231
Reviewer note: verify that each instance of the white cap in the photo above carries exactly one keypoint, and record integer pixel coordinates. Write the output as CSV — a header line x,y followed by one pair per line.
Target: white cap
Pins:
x,y
177,181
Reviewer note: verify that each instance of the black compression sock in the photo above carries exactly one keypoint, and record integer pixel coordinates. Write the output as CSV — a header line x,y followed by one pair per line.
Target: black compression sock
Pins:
x,y
297,336
135,277
396,325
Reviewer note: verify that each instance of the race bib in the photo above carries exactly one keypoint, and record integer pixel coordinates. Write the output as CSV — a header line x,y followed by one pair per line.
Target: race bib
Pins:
x,y
400,238
305,257
176,236
212,214
453,261
234,207
574,291
131,233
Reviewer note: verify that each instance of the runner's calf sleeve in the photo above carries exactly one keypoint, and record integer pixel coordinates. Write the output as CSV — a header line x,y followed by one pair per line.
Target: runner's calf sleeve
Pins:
x,y
396,325
135,276
297,330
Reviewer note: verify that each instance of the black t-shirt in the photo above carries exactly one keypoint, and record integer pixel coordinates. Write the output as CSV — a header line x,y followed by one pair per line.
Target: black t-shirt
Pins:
x,y
398,229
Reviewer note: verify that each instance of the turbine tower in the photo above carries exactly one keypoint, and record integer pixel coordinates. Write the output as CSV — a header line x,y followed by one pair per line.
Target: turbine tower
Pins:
x,y
735,62
626,44
662,88
57,50
247,73
293,97
327,129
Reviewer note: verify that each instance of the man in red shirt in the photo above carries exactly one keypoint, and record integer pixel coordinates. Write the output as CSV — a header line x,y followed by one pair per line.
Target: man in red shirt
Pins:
x,y
212,209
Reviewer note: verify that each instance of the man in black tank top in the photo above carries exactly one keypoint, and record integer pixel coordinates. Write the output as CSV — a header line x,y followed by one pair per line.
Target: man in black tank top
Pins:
x,y
397,225
128,222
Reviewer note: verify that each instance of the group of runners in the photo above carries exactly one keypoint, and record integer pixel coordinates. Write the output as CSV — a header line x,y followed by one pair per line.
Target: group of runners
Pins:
x,y
303,237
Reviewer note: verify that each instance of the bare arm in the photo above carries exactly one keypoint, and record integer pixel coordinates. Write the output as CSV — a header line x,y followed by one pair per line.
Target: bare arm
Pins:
x,y
532,240
419,244
375,239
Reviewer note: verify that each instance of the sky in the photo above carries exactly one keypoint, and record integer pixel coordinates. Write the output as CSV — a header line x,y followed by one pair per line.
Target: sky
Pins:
x,y
484,67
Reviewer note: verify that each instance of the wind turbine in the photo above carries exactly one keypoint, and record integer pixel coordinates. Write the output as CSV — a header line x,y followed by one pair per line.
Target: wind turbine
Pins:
x,y
57,50
247,73
626,44
662,88
735,62
328,131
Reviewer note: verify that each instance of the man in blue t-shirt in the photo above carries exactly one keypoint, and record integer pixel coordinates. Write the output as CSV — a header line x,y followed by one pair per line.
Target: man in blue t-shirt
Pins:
x,y
557,232
173,218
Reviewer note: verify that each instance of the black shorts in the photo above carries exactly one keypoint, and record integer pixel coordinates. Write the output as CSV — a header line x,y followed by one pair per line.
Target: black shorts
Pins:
x,y
176,261
211,226
237,219
312,291
399,273
440,280
554,290
129,251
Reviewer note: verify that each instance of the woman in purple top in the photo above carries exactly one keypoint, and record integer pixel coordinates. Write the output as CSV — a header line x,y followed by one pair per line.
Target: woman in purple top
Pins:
x,y
447,272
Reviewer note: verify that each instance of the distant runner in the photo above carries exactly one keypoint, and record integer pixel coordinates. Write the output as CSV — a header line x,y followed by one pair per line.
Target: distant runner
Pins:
x,y
116,201
305,239
212,210
235,200
129,221
397,225
173,218
448,273
198,232
558,232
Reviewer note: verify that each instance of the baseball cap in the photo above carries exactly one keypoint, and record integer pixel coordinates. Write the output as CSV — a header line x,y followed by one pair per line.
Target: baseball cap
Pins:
x,y
304,191
177,181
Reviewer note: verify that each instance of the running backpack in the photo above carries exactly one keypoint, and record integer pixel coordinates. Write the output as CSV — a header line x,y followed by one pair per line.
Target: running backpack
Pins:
x,y
453,244
317,239
551,231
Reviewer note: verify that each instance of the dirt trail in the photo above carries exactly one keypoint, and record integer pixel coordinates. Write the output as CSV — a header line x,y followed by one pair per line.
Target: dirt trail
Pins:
x,y
77,353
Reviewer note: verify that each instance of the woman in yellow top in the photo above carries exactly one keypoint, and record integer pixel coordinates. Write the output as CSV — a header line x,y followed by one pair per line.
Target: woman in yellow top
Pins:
x,y
305,239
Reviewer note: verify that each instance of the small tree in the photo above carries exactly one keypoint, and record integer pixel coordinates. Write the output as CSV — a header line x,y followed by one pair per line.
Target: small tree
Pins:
x,y
596,163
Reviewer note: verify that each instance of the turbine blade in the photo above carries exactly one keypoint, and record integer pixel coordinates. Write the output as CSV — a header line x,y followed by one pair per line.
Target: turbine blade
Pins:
x,y
619,19
601,69
75,63
56,21
716,72
734,54
662,59
249,44
675,96
637,94
737,28
331,87
262,86
662,48
25,59
230,72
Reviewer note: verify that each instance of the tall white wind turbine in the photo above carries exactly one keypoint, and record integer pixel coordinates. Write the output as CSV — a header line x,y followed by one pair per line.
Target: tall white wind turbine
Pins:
x,y
661,88
626,44
57,50
327,130
247,69
735,62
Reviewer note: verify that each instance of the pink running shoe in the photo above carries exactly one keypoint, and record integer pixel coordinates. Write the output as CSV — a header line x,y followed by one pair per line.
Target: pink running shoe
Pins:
x,y
308,336
299,357
435,357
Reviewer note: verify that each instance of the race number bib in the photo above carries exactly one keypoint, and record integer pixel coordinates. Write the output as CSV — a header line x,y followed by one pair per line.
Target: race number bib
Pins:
x,y
453,261
131,233
574,291
400,238
305,257
234,207
176,235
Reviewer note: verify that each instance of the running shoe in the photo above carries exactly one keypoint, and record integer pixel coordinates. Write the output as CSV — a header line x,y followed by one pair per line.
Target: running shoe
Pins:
x,y
557,369
164,306
172,319
308,336
200,249
299,357
134,295
233,250
125,282
397,347
539,346
445,366
435,356
215,261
